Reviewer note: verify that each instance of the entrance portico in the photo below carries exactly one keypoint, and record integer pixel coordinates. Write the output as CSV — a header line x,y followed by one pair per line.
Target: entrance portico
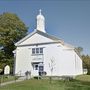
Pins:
x,y
38,68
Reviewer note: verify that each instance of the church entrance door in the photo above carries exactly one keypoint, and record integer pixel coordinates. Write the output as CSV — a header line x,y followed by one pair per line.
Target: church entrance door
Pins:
x,y
38,69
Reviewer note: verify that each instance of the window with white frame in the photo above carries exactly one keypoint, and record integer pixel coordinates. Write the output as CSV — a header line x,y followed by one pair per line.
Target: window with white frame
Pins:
x,y
37,50
41,50
33,50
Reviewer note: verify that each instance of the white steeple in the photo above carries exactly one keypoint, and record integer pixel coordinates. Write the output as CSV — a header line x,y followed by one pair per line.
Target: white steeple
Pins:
x,y
40,22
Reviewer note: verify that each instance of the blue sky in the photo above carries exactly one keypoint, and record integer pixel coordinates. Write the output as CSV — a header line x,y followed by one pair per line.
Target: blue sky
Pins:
x,y
67,19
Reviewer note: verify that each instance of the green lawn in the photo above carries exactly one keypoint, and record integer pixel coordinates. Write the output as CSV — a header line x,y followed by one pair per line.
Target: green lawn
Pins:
x,y
5,78
83,78
45,85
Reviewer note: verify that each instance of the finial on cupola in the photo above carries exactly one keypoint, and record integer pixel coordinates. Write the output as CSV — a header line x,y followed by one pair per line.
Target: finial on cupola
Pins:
x,y
40,22
40,11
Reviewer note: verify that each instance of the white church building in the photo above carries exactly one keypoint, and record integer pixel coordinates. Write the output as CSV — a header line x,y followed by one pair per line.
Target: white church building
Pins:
x,y
41,53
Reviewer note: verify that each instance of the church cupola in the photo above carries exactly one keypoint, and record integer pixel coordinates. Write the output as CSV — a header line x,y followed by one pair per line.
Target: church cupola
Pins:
x,y
40,22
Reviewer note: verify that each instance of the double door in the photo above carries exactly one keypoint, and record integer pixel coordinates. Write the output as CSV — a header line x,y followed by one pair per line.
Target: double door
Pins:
x,y
38,69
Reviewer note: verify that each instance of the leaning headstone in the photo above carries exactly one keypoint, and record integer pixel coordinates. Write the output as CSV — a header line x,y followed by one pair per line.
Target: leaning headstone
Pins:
x,y
28,74
7,70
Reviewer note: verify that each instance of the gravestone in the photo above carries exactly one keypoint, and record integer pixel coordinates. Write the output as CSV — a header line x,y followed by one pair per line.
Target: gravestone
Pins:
x,y
7,70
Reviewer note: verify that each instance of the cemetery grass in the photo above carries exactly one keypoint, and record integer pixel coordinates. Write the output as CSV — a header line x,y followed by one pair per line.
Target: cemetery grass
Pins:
x,y
5,78
33,84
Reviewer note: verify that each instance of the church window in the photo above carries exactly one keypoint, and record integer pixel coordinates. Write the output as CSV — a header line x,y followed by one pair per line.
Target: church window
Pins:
x,y
37,50
33,50
41,50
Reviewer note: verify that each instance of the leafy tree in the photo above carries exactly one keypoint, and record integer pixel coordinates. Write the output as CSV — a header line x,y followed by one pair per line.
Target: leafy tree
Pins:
x,y
85,59
86,62
79,50
12,29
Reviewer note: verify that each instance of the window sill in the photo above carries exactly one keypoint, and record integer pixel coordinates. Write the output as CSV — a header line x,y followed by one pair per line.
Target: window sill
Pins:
x,y
36,54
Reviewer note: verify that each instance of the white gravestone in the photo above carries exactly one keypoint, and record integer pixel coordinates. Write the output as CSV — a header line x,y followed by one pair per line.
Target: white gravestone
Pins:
x,y
7,70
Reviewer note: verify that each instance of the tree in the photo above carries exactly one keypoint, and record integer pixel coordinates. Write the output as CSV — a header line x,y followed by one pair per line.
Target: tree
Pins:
x,y
51,66
79,50
85,59
86,62
12,29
